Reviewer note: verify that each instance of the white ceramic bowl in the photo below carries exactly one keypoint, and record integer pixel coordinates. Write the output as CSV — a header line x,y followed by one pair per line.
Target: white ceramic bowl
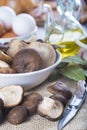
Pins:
x,y
31,79
22,37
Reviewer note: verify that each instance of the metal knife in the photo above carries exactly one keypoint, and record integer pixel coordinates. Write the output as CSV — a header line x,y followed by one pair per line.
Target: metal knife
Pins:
x,y
74,105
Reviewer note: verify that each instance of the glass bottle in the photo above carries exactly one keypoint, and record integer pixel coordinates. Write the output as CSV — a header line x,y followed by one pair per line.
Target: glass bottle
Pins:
x,y
65,31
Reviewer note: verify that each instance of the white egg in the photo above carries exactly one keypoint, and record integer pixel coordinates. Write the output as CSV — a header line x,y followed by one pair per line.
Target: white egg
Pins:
x,y
7,15
23,24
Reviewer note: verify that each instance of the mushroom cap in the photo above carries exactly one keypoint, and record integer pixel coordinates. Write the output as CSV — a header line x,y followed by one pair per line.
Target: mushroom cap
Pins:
x,y
34,97
27,60
59,87
60,98
46,51
30,106
51,109
31,102
17,115
11,95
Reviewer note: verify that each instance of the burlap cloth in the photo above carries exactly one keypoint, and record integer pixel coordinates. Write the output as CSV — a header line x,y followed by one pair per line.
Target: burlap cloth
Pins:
x,y
40,123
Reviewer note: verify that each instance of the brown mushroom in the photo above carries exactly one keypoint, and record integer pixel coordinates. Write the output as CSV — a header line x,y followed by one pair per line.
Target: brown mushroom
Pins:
x,y
60,98
17,115
27,60
31,102
50,109
46,51
59,87
34,97
11,95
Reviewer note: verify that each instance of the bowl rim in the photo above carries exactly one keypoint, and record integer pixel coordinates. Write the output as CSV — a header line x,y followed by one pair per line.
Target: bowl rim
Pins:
x,y
25,36
58,60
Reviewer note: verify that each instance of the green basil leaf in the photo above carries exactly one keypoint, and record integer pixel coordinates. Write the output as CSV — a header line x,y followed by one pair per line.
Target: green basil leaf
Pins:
x,y
74,72
74,59
62,65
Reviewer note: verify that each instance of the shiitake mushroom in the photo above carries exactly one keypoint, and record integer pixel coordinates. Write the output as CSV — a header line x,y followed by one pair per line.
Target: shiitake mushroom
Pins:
x,y
31,102
11,95
31,107
34,97
61,88
46,51
50,108
27,60
17,115
60,98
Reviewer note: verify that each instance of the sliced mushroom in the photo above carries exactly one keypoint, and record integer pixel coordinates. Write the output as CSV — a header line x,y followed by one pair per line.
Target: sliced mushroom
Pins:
x,y
46,51
17,115
59,87
14,46
11,95
5,57
51,109
27,60
31,102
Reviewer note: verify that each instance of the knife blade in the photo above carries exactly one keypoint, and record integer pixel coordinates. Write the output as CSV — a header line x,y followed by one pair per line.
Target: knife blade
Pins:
x,y
74,105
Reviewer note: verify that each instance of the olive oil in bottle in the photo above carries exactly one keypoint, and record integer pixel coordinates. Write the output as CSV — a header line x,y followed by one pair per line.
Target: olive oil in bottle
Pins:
x,y
64,29
66,42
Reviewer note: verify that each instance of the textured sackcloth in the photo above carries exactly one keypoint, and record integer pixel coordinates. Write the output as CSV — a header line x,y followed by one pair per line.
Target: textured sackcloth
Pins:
x,y
40,123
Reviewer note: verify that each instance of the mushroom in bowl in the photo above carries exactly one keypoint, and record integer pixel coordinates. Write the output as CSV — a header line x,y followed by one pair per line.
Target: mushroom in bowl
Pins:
x,y
31,63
